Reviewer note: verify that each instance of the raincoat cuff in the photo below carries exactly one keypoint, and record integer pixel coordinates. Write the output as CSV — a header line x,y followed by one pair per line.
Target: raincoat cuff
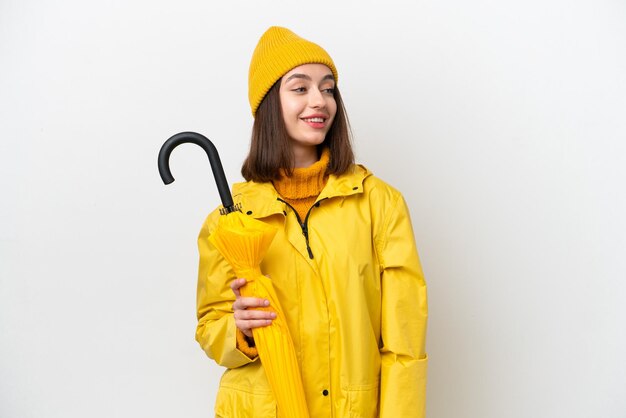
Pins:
x,y
245,346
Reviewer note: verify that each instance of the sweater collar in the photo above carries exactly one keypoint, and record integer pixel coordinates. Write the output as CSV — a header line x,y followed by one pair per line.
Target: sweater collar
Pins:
x,y
304,182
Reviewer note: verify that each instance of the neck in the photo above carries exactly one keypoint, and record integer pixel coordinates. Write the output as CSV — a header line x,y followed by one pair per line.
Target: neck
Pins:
x,y
304,155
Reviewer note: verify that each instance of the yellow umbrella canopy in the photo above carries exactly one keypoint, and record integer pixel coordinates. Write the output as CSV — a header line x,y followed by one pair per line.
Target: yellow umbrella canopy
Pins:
x,y
243,241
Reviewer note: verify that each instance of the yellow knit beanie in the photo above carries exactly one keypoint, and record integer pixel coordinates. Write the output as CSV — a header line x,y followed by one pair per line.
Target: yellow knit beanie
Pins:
x,y
278,51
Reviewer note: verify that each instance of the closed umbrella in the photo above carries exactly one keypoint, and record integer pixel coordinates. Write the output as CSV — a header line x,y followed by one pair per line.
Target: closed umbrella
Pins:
x,y
243,241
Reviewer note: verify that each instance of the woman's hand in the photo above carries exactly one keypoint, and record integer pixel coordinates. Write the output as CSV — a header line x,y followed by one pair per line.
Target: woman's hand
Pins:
x,y
246,317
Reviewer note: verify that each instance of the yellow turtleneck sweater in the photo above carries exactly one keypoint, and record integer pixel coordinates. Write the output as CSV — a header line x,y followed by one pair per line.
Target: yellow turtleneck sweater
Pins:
x,y
302,188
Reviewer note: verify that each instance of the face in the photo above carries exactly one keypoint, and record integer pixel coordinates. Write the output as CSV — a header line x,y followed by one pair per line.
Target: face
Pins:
x,y
308,104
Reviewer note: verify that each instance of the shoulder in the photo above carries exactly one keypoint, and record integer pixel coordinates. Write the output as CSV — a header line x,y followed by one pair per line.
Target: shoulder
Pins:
x,y
370,193
210,222
257,198
238,190
377,189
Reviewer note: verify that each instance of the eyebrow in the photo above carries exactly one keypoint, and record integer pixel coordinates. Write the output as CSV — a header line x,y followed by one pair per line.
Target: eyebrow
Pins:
x,y
306,77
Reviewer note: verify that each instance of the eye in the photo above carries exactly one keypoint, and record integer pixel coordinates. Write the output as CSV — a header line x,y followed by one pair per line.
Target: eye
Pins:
x,y
299,89
330,90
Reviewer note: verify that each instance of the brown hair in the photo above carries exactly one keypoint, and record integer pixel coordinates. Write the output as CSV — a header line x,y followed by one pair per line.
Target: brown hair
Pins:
x,y
270,148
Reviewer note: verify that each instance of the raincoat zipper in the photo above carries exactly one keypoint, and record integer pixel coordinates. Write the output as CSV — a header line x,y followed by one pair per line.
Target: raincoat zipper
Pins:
x,y
304,225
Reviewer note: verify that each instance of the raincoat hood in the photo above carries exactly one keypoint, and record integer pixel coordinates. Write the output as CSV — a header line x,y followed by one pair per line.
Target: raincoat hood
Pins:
x,y
261,199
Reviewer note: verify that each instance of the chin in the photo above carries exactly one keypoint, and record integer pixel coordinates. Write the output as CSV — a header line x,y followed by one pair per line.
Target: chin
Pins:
x,y
310,141
318,139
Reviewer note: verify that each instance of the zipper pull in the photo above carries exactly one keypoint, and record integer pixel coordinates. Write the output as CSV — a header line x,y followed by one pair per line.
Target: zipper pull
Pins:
x,y
305,232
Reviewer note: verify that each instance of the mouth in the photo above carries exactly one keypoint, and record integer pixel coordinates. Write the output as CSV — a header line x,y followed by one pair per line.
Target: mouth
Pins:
x,y
316,119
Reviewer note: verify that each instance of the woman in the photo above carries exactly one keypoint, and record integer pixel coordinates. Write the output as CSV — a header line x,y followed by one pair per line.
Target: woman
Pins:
x,y
344,262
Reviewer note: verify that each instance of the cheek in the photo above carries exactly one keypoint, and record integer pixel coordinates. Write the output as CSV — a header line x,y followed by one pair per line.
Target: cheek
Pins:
x,y
290,109
286,104
332,108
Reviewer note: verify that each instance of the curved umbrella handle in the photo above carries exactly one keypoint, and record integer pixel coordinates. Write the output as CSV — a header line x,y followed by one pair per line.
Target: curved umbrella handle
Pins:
x,y
214,159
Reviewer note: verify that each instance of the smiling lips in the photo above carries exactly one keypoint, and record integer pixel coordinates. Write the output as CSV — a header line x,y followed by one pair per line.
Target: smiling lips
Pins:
x,y
317,122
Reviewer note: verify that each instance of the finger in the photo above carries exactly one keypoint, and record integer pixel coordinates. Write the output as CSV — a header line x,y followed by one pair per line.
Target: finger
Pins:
x,y
243,303
236,284
253,314
246,302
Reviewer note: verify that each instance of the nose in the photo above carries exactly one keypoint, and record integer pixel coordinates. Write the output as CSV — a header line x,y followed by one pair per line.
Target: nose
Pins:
x,y
316,99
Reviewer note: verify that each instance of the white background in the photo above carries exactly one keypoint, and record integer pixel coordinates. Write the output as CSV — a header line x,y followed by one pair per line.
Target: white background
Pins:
x,y
502,122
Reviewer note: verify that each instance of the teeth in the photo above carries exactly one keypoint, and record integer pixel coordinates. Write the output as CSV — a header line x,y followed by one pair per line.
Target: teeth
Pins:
x,y
316,120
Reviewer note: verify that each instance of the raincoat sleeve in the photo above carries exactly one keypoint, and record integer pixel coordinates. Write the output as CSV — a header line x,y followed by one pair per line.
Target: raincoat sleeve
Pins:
x,y
404,317
216,331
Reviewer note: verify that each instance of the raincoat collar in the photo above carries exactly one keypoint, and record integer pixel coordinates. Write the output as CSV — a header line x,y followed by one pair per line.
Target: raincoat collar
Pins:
x,y
261,199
